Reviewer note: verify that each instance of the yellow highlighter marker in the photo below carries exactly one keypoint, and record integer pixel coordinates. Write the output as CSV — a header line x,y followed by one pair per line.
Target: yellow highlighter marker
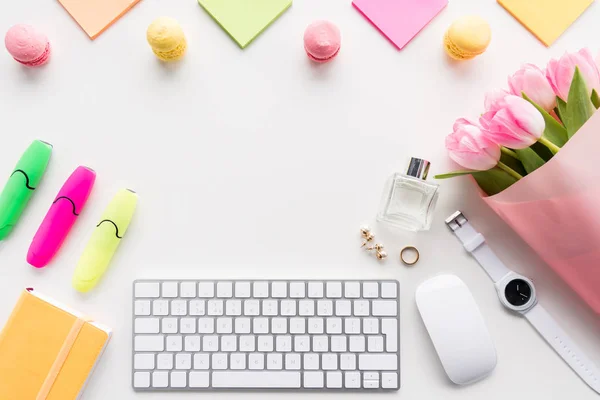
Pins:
x,y
105,240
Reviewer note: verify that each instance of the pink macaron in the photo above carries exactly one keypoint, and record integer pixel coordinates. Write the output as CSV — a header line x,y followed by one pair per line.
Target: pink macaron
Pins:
x,y
322,41
27,45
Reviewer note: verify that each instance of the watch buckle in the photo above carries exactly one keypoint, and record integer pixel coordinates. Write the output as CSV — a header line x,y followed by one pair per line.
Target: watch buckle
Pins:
x,y
456,220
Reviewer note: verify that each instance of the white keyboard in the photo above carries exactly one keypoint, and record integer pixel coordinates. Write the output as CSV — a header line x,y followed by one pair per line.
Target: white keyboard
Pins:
x,y
210,335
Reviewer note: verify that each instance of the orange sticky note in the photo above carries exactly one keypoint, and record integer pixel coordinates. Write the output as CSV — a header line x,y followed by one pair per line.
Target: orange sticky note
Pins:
x,y
546,19
94,16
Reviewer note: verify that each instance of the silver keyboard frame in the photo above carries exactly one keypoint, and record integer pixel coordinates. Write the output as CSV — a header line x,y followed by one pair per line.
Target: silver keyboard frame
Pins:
x,y
251,281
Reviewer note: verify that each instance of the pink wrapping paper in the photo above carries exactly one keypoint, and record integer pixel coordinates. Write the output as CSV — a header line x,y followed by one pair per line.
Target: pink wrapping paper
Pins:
x,y
556,210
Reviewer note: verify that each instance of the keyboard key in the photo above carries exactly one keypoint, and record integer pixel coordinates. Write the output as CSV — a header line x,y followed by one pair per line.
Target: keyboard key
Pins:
x,y
279,290
315,290
251,307
210,343
255,361
242,289
197,307
206,290
141,379
375,344
352,290
215,307
348,361
274,361
147,289
334,290
297,325
301,343
370,326
297,290
329,362
242,325
219,361
228,343
306,308
370,384
313,379
370,290
357,344
320,344
338,344
389,380
169,289
261,290
389,290
315,325
283,343
187,325
164,361
247,343
269,307
361,308
149,343
311,361
288,308
389,327
174,343
188,289
279,325
233,307
334,380
352,380
146,325
169,325
142,307
381,362
160,307
260,325
199,379
238,361
192,343
292,361
201,361
178,379
160,379
334,326
224,289
251,379
385,308
206,325
143,361
343,308
265,343
224,325
183,361
351,326
178,307
325,308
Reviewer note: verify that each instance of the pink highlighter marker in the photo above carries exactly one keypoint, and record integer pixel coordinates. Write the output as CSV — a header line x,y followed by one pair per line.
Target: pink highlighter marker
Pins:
x,y
61,216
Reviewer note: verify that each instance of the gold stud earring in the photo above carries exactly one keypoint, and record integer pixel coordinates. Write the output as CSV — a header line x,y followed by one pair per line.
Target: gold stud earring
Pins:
x,y
366,234
379,252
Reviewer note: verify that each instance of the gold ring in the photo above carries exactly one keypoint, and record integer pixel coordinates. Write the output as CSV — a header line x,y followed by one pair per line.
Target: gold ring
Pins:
x,y
413,248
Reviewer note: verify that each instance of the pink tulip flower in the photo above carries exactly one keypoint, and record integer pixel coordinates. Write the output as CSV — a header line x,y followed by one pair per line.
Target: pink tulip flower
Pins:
x,y
468,147
517,125
494,99
533,82
560,72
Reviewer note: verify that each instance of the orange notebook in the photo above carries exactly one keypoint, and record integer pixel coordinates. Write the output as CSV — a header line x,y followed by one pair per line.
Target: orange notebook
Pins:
x,y
47,351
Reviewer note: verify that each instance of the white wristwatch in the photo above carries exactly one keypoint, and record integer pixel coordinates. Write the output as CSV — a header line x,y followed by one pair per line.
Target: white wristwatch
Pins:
x,y
517,293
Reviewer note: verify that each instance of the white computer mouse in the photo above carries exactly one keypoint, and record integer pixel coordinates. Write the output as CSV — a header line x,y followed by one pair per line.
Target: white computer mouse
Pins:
x,y
457,329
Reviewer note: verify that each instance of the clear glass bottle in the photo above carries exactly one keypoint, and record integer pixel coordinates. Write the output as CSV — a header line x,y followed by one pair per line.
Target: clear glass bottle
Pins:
x,y
408,200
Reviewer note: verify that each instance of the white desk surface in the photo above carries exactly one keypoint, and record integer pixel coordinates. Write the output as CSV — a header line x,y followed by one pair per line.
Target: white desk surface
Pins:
x,y
259,164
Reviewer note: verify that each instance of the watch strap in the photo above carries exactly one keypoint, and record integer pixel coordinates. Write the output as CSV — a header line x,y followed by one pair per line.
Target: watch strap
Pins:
x,y
474,243
564,346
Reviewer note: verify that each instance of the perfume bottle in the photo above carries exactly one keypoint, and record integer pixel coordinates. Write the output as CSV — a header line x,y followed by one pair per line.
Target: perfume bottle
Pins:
x,y
408,200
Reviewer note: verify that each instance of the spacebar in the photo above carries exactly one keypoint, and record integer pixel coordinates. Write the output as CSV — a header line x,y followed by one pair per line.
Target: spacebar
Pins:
x,y
250,379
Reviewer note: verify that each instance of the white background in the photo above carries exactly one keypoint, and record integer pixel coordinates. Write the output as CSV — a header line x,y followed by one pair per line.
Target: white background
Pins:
x,y
260,164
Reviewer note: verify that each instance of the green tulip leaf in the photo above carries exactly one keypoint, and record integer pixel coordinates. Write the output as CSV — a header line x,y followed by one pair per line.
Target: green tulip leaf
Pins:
x,y
542,151
595,99
530,159
513,163
493,181
561,109
554,131
579,106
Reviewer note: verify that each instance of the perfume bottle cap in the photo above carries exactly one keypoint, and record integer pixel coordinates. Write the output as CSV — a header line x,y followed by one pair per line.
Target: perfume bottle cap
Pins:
x,y
418,168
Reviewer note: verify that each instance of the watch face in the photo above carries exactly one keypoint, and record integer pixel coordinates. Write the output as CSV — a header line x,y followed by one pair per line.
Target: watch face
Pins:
x,y
518,292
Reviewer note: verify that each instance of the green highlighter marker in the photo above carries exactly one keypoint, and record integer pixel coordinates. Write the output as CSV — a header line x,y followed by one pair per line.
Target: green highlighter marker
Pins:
x,y
22,183
105,240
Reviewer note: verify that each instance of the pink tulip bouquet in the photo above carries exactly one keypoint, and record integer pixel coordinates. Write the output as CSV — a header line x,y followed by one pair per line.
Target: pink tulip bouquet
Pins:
x,y
533,152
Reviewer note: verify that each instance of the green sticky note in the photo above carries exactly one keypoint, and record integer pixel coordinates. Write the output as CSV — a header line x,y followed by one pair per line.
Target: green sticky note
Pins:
x,y
244,20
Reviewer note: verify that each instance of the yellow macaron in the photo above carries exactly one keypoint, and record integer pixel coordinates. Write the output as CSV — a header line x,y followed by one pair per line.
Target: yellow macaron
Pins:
x,y
167,39
467,37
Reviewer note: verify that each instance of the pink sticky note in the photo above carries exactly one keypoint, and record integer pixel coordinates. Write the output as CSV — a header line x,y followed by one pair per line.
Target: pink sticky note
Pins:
x,y
399,20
